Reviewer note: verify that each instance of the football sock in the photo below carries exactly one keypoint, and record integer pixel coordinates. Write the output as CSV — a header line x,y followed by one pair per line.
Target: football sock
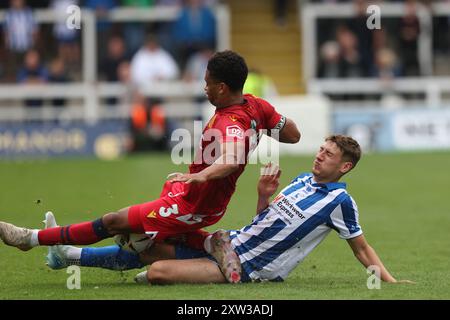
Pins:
x,y
73,255
81,233
112,257
34,241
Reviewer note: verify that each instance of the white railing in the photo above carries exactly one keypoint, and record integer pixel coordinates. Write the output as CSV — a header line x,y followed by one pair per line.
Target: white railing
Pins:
x,y
89,91
89,107
432,87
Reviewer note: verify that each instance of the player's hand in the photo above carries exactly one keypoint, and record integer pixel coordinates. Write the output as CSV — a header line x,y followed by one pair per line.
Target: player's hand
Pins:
x,y
269,180
189,178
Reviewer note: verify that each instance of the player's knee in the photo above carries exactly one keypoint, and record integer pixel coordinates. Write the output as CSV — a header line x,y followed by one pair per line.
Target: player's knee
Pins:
x,y
158,273
111,221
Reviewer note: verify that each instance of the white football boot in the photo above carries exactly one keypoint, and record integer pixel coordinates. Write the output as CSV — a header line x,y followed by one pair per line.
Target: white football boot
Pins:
x,y
225,256
57,255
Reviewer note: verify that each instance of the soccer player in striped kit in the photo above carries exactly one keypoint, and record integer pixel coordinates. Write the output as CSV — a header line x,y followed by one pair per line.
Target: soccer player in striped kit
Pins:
x,y
196,199
279,238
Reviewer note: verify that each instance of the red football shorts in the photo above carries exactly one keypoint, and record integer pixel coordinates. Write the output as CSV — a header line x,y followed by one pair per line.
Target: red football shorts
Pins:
x,y
168,216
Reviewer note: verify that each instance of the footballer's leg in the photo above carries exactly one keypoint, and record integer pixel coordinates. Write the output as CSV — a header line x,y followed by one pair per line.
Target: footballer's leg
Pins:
x,y
21,237
200,270
60,256
81,233
110,257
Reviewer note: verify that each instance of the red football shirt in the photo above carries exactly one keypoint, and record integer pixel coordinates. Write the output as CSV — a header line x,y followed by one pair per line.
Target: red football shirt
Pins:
x,y
228,124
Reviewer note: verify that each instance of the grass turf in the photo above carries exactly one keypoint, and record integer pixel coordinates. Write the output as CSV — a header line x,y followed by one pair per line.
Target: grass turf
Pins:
x,y
403,212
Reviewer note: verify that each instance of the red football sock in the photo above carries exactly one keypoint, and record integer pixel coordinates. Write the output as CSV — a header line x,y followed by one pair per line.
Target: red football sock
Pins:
x,y
81,233
196,239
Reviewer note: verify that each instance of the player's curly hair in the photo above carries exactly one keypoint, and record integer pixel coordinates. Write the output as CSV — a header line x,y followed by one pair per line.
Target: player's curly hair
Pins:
x,y
351,151
230,68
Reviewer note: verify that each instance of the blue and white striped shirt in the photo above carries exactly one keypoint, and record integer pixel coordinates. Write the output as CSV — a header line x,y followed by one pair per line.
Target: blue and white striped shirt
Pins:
x,y
296,221
19,26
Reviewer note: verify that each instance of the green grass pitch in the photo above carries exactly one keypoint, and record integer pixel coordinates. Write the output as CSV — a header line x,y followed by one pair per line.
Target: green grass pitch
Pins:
x,y
404,210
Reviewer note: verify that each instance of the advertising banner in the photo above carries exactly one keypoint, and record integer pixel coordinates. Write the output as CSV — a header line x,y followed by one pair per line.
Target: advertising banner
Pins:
x,y
421,129
389,130
104,139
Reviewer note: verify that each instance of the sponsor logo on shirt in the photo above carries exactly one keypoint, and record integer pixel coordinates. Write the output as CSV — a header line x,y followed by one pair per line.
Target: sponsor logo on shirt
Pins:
x,y
288,209
152,214
235,131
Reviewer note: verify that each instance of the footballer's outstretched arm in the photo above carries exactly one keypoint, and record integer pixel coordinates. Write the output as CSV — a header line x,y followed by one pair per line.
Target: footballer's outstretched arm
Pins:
x,y
368,257
232,155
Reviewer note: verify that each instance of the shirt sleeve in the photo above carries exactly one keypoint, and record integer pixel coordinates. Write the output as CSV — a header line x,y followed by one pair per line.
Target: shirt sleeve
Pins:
x,y
272,118
345,219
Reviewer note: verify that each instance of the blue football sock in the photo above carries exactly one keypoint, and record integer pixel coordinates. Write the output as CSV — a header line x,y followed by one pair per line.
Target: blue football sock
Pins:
x,y
112,257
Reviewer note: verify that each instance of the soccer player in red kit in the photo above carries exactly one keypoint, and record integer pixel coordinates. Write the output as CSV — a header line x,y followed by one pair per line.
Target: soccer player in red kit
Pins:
x,y
196,199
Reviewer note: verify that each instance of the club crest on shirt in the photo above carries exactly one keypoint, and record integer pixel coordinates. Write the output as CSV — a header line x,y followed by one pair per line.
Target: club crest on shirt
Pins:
x,y
235,131
233,118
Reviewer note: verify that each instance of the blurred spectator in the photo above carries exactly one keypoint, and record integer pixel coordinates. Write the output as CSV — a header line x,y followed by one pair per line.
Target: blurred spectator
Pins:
x,y
101,9
152,63
58,74
195,72
259,84
409,34
32,72
148,126
350,61
194,28
67,38
147,120
20,34
109,67
115,56
329,66
135,31
124,77
196,65
368,41
386,65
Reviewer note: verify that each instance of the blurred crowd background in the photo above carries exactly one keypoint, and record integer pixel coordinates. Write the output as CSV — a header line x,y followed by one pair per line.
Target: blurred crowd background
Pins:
x,y
139,53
